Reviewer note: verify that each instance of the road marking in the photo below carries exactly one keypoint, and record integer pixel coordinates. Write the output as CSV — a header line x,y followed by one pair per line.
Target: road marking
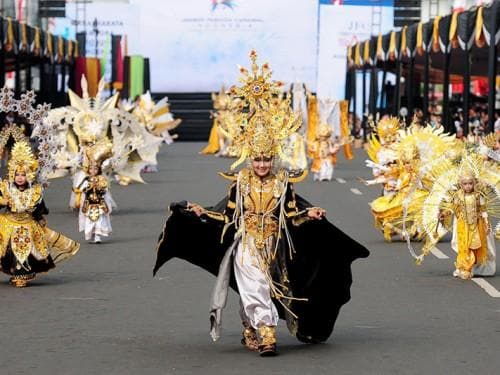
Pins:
x,y
356,191
439,254
340,180
488,288
78,298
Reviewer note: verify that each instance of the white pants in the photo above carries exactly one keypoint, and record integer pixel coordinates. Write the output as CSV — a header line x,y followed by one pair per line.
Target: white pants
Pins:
x,y
325,172
256,305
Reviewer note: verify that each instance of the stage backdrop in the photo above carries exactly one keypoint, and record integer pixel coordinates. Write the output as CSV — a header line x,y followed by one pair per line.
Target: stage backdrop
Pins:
x,y
195,45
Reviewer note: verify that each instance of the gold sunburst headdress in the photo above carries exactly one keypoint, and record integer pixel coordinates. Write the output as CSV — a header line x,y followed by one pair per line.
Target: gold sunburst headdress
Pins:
x,y
90,122
259,120
22,160
387,128
385,132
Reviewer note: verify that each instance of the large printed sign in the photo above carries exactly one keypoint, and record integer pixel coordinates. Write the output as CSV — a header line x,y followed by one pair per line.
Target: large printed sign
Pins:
x,y
341,26
195,45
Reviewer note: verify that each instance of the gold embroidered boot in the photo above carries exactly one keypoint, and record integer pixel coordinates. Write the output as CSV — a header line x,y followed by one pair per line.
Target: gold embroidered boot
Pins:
x,y
21,281
250,339
387,230
267,347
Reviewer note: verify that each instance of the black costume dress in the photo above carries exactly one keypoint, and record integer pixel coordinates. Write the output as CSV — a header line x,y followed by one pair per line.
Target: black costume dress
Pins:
x,y
317,268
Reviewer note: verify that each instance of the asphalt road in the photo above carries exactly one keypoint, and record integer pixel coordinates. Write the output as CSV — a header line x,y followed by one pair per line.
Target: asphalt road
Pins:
x,y
103,313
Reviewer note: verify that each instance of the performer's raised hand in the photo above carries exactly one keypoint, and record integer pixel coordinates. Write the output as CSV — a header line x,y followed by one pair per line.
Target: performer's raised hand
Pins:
x,y
196,208
316,213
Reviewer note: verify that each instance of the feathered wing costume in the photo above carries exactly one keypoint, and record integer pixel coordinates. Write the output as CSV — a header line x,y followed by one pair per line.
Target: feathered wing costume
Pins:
x,y
417,150
469,216
91,119
263,218
156,117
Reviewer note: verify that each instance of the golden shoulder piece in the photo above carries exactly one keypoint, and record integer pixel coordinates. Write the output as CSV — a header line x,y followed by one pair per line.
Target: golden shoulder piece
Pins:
x,y
231,176
299,176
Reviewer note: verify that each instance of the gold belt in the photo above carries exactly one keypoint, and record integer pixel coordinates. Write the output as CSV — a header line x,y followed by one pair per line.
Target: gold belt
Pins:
x,y
261,228
19,217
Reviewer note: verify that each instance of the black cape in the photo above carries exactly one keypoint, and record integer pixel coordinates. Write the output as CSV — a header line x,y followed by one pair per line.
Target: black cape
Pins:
x,y
319,270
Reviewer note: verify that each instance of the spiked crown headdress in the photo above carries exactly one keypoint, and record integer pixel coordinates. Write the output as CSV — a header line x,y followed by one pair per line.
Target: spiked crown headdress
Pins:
x,y
259,120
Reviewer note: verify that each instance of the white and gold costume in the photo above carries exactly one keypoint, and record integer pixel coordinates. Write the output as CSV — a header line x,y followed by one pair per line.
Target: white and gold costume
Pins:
x,y
88,120
259,203
264,234
96,206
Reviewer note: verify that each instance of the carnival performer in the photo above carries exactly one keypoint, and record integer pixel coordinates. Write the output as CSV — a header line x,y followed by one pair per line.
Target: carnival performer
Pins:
x,y
324,154
263,239
417,150
216,140
27,245
387,210
464,199
95,211
382,153
472,234
89,119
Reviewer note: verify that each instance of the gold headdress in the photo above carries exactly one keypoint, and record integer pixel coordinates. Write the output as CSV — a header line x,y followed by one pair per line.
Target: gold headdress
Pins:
x,y
387,128
325,130
258,123
22,160
43,130
385,133
96,153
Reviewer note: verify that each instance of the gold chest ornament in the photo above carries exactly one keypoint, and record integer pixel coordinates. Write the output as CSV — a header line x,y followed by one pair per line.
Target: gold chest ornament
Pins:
x,y
467,206
261,197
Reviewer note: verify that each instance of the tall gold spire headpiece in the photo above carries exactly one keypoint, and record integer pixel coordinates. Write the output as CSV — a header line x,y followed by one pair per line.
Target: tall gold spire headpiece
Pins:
x,y
22,160
259,120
